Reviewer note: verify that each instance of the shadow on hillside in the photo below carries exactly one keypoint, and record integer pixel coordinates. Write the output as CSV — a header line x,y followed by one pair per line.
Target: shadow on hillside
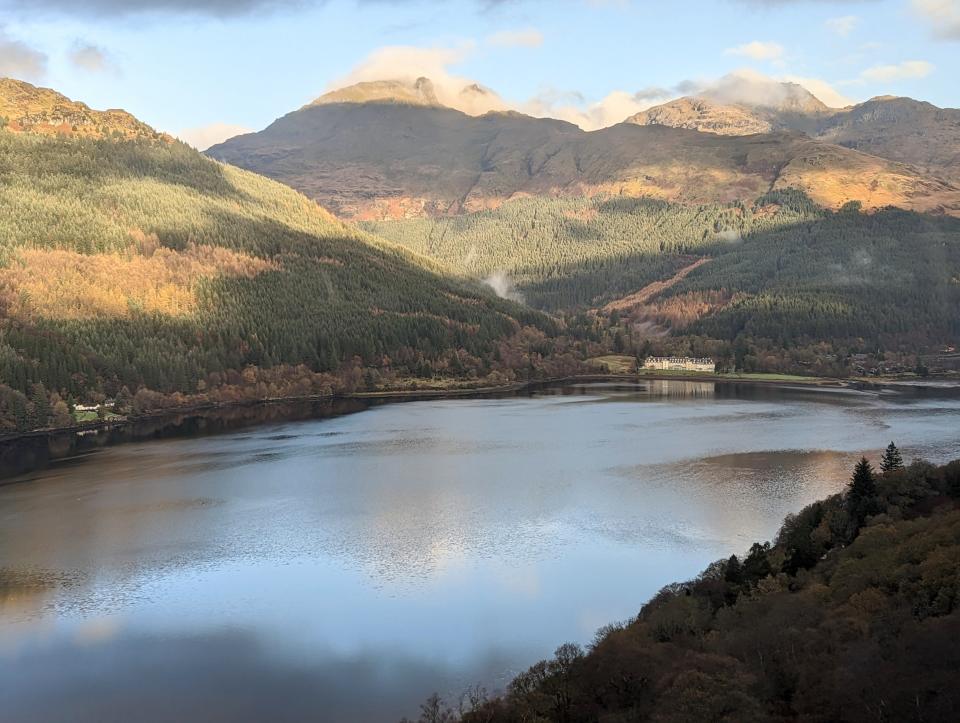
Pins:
x,y
839,275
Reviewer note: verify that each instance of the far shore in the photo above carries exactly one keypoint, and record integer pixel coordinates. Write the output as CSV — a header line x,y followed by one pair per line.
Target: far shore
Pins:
x,y
452,392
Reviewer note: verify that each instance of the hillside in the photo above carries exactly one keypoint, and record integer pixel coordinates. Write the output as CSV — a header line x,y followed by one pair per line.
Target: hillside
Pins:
x,y
779,268
901,129
141,264
898,129
386,159
852,614
42,111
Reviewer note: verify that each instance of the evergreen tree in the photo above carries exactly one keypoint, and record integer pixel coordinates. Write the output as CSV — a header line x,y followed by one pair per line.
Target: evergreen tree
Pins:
x,y
861,493
21,416
891,459
862,484
41,405
733,572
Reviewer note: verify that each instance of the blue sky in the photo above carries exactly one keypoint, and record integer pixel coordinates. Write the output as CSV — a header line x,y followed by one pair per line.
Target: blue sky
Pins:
x,y
183,65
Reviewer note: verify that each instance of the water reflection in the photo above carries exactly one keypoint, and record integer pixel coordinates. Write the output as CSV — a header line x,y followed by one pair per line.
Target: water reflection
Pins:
x,y
346,566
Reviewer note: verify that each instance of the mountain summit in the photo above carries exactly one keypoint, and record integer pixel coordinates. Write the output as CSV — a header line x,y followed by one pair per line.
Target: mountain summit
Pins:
x,y
420,92
739,105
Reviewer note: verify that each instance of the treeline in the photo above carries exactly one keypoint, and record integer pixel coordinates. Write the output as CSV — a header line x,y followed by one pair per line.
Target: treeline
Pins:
x,y
204,271
852,614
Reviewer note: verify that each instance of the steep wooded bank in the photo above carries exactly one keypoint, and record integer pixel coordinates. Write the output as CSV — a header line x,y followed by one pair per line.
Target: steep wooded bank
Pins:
x,y
852,614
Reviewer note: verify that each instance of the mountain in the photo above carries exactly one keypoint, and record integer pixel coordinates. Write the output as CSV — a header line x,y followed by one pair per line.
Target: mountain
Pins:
x,y
140,263
28,109
898,129
702,114
380,158
901,129
738,106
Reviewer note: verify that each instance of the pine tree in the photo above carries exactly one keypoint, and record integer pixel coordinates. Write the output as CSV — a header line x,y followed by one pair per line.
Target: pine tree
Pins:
x,y
861,493
862,484
733,572
891,459
41,405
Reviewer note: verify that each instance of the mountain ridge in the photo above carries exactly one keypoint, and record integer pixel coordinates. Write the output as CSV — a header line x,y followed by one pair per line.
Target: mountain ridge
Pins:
x,y
376,159
26,108
892,127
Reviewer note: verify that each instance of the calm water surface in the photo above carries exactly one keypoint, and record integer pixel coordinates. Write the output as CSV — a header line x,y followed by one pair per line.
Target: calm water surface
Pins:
x,y
345,568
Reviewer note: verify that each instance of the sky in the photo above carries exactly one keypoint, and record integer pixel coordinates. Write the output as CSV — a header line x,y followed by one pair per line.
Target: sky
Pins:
x,y
207,69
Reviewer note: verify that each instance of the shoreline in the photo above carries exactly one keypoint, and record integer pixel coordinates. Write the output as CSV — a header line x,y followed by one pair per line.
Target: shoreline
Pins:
x,y
484,391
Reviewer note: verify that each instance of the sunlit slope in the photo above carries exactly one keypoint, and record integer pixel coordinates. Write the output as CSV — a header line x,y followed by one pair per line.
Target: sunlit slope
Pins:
x,y
129,262
25,108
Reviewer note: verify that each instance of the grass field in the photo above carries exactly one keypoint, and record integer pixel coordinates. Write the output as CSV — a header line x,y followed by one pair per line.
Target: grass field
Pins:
x,y
614,363
88,416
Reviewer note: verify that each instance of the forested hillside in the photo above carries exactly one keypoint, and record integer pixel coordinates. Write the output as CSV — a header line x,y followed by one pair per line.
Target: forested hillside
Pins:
x,y
583,252
781,268
135,268
852,614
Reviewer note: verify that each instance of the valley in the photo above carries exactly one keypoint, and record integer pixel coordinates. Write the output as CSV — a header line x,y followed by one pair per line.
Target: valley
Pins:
x,y
174,279
479,361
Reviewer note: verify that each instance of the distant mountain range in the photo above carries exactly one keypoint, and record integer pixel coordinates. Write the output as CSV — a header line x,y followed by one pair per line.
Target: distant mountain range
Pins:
x,y
391,150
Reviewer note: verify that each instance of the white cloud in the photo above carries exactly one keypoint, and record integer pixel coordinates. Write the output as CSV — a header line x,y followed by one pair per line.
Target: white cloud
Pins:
x,y
614,108
757,50
407,63
943,16
90,58
19,60
900,71
842,26
749,87
203,137
517,38
822,89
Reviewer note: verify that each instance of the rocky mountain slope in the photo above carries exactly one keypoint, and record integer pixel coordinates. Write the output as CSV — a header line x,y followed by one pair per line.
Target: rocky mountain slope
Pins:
x,y
42,111
899,129
386,157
